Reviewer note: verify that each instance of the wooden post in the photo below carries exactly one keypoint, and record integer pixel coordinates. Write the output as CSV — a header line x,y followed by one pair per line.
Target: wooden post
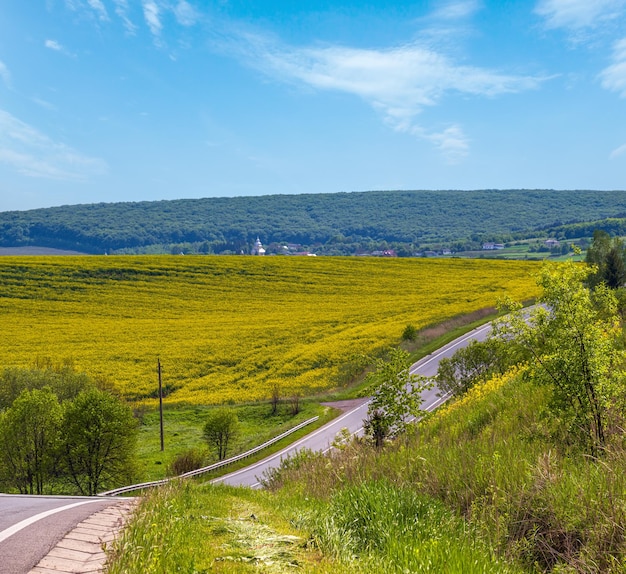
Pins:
x,y
160,403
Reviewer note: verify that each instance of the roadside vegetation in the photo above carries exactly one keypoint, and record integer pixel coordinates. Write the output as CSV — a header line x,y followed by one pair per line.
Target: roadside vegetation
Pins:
x,y
524,471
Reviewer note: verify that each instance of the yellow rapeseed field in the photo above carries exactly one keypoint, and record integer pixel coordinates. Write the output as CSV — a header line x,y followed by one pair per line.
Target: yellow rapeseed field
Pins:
x,y
230,328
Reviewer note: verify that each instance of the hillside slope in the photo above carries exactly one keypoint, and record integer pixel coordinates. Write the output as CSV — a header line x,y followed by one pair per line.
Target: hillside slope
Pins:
x,y
343,220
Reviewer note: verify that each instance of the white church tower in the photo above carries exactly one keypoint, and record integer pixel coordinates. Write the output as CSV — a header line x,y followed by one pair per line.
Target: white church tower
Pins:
x,y
258,248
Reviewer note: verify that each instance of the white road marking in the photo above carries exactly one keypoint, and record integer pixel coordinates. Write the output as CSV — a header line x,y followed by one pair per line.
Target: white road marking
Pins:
x,y
31,520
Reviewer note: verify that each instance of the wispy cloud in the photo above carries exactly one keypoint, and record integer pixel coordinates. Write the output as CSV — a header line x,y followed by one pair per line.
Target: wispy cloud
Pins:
x,y
614,76
43,103
121,9
53,45
452,143
5,74
98,7
34,154
151,13
398,82
57,47
185,13
460,9
90,7
617,152
578,14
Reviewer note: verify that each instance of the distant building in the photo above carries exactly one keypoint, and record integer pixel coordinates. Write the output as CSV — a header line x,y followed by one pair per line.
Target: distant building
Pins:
x,y
552,243
258,248
491,246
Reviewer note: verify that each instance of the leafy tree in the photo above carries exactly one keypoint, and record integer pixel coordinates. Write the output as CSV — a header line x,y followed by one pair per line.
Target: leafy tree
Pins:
x,y
574,343
608,255
29,436
474,363
220,429
396,396
99,440
62,380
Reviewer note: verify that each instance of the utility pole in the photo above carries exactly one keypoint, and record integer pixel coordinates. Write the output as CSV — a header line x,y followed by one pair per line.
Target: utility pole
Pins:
x,y
160,403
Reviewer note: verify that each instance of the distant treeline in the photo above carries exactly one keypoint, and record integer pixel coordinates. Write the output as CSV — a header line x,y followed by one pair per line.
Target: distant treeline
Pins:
x,y
333,224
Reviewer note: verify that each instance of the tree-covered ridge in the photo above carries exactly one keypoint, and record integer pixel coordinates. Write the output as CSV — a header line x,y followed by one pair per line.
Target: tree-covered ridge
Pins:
x,y
342,222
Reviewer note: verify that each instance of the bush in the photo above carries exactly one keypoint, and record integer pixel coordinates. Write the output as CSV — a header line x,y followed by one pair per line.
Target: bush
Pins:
x,y
186,461
409,333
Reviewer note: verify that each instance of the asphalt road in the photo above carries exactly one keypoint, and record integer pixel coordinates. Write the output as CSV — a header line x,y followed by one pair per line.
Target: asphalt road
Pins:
x,y
322,438
30,526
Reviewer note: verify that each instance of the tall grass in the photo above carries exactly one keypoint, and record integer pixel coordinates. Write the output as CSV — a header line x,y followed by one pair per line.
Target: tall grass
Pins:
x,y
380,527
492,460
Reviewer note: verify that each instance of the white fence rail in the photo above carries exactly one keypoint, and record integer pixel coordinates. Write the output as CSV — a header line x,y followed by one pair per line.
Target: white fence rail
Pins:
x,y
211,467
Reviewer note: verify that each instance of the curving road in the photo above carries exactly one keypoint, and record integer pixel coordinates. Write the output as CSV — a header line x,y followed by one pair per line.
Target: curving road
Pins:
x,y
31,525
322,438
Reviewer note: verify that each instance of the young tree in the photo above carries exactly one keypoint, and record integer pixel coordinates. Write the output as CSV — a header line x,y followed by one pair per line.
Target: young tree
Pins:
x,y
29,435
472,364
608,255
574,342
99,440
396,398
220,429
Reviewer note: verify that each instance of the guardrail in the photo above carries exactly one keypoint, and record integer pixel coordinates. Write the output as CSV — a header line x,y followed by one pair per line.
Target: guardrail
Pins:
x,y
211,467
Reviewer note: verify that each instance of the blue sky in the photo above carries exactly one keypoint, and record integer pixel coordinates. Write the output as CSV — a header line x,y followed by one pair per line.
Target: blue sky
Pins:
x,y
130,100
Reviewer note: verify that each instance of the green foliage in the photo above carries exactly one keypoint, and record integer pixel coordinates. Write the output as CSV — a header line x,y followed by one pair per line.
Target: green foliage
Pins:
x,y
396,396
409,333
99,441
61,379
334,223
377,526
205,529
220,430
473,364
186,461
608,255
29,441
574,340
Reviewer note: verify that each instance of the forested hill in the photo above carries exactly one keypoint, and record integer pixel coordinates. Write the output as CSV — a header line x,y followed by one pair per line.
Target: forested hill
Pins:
x,y
331,223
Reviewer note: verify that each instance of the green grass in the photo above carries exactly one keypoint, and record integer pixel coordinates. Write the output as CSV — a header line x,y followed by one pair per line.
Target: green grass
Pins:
x,y
183,424
486,484
183,427
201,529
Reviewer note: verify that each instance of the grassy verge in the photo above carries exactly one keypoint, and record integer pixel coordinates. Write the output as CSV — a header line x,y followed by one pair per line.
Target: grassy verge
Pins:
x,y
494,459
371,528
183,424
183,427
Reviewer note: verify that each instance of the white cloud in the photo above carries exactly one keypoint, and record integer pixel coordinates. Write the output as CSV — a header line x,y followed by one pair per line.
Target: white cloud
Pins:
x,y
43,103
457,10
617,152
186,14
53,45
95,5
614,76
151,13
98,7
5,75
121,9
398,82
577,14
452,143
34,154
